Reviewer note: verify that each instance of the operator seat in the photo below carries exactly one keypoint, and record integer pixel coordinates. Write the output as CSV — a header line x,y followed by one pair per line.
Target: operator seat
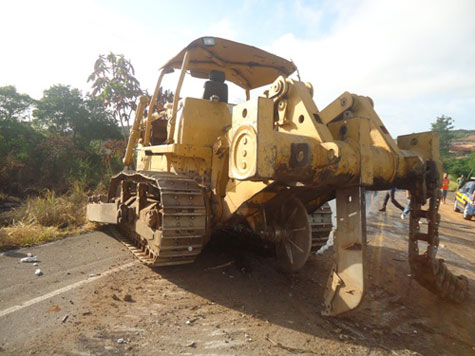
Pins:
x,y
216,86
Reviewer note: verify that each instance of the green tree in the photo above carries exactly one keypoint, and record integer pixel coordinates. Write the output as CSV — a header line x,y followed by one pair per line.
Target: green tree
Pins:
x,y
18,155
115,85
444,126
13,105
100,124
71,138
464,165
63,111
17,139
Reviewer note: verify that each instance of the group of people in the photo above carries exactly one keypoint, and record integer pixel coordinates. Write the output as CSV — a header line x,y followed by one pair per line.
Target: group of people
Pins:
x,y
405,210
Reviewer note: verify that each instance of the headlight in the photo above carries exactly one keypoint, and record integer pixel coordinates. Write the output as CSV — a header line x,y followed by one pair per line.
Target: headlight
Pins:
x,y
208,41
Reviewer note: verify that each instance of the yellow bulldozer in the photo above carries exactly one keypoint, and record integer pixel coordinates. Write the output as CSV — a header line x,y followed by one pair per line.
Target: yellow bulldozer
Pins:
x,y
271,163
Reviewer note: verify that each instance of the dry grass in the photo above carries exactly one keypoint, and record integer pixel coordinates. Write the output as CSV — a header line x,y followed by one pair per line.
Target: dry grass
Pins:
x,y
46,218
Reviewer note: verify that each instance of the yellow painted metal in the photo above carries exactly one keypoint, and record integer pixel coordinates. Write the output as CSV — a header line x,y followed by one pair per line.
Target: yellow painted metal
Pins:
x,y
336,108
135,132
219,176
345,286
425,144
176,98
179,150
294,152
238,192
201,122
151,108
177,158
246,66
420,147
302,116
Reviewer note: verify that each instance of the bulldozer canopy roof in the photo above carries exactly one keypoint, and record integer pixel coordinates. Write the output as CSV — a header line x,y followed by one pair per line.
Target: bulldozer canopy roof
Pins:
x,y
246,66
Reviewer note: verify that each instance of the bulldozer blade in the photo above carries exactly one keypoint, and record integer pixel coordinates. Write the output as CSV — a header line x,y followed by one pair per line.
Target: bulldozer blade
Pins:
x,y
345,286
102,212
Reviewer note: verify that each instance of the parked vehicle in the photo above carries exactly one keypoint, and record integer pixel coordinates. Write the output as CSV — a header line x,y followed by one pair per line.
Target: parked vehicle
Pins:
x,y
464,201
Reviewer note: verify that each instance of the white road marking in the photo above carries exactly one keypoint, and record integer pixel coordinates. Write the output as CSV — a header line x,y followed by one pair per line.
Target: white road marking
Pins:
x,y
63,290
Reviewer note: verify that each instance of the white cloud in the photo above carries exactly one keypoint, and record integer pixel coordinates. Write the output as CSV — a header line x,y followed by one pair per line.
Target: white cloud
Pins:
x,y
224,28
397,52
58,41
414,58
308,14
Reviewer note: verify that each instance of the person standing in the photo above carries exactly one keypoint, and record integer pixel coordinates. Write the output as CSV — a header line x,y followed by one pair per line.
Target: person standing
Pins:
x,y
408,206
460,181
445,186
390,194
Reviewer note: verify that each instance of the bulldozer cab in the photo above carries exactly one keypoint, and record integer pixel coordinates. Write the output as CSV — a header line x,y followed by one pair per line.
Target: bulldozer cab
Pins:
x,y
218,61
246,66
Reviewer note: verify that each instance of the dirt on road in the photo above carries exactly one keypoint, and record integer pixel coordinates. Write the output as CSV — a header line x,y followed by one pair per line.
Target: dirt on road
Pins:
x,y
229,303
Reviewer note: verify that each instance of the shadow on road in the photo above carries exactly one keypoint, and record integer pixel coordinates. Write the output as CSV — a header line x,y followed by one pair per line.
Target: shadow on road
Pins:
x,y
396,314
14,254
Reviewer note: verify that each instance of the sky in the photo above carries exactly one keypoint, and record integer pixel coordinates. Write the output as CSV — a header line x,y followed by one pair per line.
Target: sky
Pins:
x,y
415,59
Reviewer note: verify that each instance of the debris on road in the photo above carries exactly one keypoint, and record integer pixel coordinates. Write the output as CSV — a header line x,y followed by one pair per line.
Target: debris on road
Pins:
x,y
288,348
54,308
191,321
29,259
122,341
38,272
65,318
128,298
220,266
191,344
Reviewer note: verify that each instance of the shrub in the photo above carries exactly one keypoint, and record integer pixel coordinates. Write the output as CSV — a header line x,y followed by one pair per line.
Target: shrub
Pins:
x,y
50,210
45,218
22,234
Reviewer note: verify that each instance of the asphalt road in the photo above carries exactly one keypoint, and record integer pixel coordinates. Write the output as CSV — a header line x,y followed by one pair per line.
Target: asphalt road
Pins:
x,y
78,305
28,303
